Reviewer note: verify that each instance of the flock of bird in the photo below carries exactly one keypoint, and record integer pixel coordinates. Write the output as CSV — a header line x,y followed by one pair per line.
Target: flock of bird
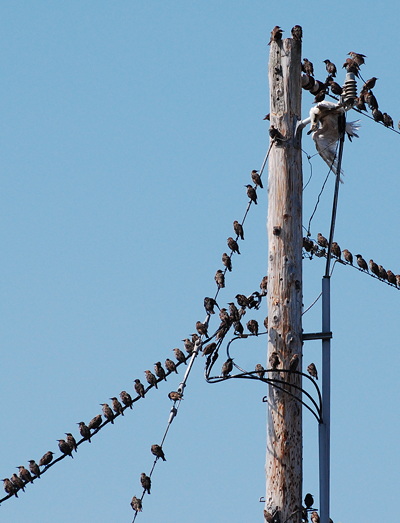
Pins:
x,y
304,510
351,65
319,249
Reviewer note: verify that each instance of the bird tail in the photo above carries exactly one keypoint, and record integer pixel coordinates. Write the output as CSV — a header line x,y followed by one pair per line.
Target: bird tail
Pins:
x,y
351,128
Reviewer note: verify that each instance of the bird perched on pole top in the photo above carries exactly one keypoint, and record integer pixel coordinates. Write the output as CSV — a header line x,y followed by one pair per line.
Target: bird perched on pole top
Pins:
x,y
251,193
232,244
256,178
297,32
330,68
276,34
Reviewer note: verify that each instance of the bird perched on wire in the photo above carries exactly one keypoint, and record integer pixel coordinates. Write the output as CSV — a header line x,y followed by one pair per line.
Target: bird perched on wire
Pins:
x,y
46,459
158,451
201,328
334,86
117,406
382,273
189,345
139,388
64,447
209,304
84,431
238,328
136,504
335,250
170,366
181,358
312,370
377,115
34,468
159,371
276,34
24,474
209,349
126,398
330,68
307,244
9,487
254,300
347,256
256,178
219,279
371,100
374,267
252,326
233,313
260,370
17,482
387,120
95,422
226,260
308,500
242,300
327,127
232,244
321,240
227,368
238,228
146,482
224,317
391,277
369,84
107,412
297,32
361,262
359,103
307,67
151,379
71,441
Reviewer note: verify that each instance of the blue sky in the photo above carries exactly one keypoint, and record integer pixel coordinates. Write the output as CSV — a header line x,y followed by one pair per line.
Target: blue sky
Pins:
x,y
128,131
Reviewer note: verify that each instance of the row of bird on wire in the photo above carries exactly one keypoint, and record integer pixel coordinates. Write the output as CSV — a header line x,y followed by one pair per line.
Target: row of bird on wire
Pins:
x,y
12,485
319,249
366,96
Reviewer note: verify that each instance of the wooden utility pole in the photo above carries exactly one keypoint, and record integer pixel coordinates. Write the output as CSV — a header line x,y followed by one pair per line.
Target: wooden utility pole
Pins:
x,y
284,430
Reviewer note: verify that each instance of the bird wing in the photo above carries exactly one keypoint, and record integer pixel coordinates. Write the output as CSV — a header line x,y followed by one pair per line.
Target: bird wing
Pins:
x,y
326,139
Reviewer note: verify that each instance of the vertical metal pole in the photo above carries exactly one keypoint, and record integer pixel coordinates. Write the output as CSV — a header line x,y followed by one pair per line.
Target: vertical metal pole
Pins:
x,y
324,427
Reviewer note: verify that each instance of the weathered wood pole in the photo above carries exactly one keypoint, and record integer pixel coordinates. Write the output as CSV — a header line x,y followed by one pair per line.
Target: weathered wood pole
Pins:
x,y
284,425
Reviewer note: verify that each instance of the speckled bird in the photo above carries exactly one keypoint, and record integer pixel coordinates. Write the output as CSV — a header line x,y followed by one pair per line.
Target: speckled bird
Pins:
x,y
252,327
369,84
391,277
314,517
276,34
387,120
9,487
219,279
170,366
312,371
117,406
146,482
158,451
238,328
330,68
84,430
227,368
374,267
17,482
256,178
307,67
335,250
46,459
126,398
241,300
294,362
321,240
209,304
264,286
238,228
232,244
361,262
179,355
71,441
347,256
151,379
189,345
107,412
382,273
274,360
136,504
227,261
65,447
175,395
34,468
297,32
202,328
260,370
233,312
251,193
357,57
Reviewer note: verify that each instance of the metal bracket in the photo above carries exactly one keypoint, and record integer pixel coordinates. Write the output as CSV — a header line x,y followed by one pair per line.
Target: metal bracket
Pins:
x,y
316,336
